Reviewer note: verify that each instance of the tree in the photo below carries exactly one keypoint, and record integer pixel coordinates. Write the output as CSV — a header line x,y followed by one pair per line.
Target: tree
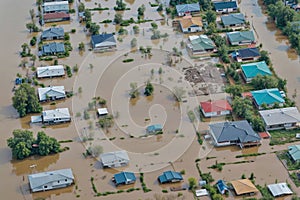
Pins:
x,y
219,40
264,56
33,58
81,46
133,90
241,106
81,7
46,144
211,16
88,15
120,5
94,29
265,82
133,42
118,18
141,10
154,25
136,29
205,4
234,90
25,100
160,8
148,89
96,150
192,183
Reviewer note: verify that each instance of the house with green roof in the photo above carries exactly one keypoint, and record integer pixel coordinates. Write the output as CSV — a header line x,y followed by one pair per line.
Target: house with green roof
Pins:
x,y
294,152
251,70
241,38
267,97
200,44
233,20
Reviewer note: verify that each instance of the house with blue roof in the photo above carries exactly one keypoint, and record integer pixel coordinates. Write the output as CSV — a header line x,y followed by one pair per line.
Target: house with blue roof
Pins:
x,y
233,20
251,70
53,33
154,128
222,187
294,152
267,97
53,48
170,177
187,9
103,42
241,38
124,178
225,6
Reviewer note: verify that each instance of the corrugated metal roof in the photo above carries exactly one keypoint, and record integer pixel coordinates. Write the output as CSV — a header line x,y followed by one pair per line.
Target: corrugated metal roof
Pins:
x,y
280,116
267,96
183,8
279,189
232,19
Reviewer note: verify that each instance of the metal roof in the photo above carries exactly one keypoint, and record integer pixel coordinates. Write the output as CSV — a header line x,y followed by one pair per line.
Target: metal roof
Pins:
x,y
240,36
201,43
124,177
154,127
253,69
232,19
267,96
280,116
62,113
56,6
102,111
114,157
248,52
53,48
243,186
53,32
106,39
294,152
169,176
222,187
183,8
49,71
215,106
225,5
279,189
53,91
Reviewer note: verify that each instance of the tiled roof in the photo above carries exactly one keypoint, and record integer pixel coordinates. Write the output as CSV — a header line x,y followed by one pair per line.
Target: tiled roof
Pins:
x,y
215,106
189,21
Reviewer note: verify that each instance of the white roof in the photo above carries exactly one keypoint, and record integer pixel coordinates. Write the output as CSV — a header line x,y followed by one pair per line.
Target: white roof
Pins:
x,y
114,157
48,71
102,111
279,189
202,192
52,91
55,3
56,113
280,115
36,119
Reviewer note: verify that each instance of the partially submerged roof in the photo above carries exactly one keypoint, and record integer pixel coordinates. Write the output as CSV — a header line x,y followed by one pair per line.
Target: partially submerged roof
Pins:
x,y
189,21
54,47
201,192
279,189
114,157
62,113
248,52
215,106
225,5
243,186
184,8
56,6
154,127
39,179
253,69
170,176
294,152
280,116
106,39
124,177
53,32
232,19
47,71
201,42
267,96
52,91
222,187
240,36
234,131
56,15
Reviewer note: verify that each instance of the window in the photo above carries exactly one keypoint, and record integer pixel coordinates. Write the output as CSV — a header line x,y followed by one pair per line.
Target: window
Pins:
x,y
45,186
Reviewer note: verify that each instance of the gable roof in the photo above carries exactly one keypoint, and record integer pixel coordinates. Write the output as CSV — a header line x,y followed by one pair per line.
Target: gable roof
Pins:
x,y
243,186
248,52
106,39
240,36
201,42
53,32
215,106
114,157
279,189
124,177
225,5
169,176
56,6
234,131
267,96
187,22
253,69
183,8
51,92
222,187
55,70
231,19
280,116
56,15
294,152
62,113
40,179
54,47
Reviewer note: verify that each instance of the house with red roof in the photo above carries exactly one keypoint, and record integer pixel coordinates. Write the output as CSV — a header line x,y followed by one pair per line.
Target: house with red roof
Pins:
x,y
215,108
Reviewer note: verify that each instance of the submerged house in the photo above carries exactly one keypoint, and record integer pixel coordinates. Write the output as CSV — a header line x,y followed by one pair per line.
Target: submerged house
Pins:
x,y
267,97
222,187
103,42
243,187
191,24
251,70
233,20
51,93
50,180
200,44
279,189
281,118
234,133
55,17
187,9
215,108
56,6
53,33
225,6
241,38
124,178
114,159
59,115
53,48
170,177
50,71
294,153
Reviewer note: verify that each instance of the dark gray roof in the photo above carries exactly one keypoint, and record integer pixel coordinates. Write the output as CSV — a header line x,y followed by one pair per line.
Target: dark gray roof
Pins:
x,y
225,5
193,7
53,48
248,52
101,38
53,32
234,131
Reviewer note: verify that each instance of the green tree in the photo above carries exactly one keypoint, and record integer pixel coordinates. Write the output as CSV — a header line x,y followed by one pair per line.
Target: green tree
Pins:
x,y
192,183
94,29
160,8
136,29
81,46
81,7
211,16
234,90
120,5
148,89
241,106
134,92
205,4
46,144
219,40
88,15
266,82
32,15
141,10
264,56
154,25
21,143
118,18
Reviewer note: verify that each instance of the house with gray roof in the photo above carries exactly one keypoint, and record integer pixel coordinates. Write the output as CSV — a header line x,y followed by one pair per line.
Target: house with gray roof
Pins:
x,y
225,6
114,159
59,115
50,71
281,118
53,48
241,38
56,6
187,9
53,33
103,42
234,133
233,20
279,189
294,152
200,44
267,97
251,70
50,180
51,93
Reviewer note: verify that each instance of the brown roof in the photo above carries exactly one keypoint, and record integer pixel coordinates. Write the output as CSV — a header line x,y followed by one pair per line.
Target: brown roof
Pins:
x,y
56,15
189,21
243,186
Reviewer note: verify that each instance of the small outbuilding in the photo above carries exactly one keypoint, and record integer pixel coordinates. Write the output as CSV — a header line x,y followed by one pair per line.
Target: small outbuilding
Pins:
x,y
102,111
170,177
202,192
279,189
124,178
244,186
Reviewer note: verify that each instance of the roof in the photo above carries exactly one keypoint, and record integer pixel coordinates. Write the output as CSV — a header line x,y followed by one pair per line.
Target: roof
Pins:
x,y
280,116
102,111
267,96
53,32
124,177
240,36
40,179
279,189
56,15
106,39
53,47
114,157
169,176
201,43
264,135
234,131
246,95
52,91
189,21
258,68
154,127
215,106
222,187
243,186
55,6
231,19
55,70
201,192
48,115
225,4
248,52
183,8
294,152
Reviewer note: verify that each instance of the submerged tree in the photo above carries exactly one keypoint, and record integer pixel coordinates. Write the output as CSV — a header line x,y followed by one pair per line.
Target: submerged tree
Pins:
x,y
148,89
133,90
